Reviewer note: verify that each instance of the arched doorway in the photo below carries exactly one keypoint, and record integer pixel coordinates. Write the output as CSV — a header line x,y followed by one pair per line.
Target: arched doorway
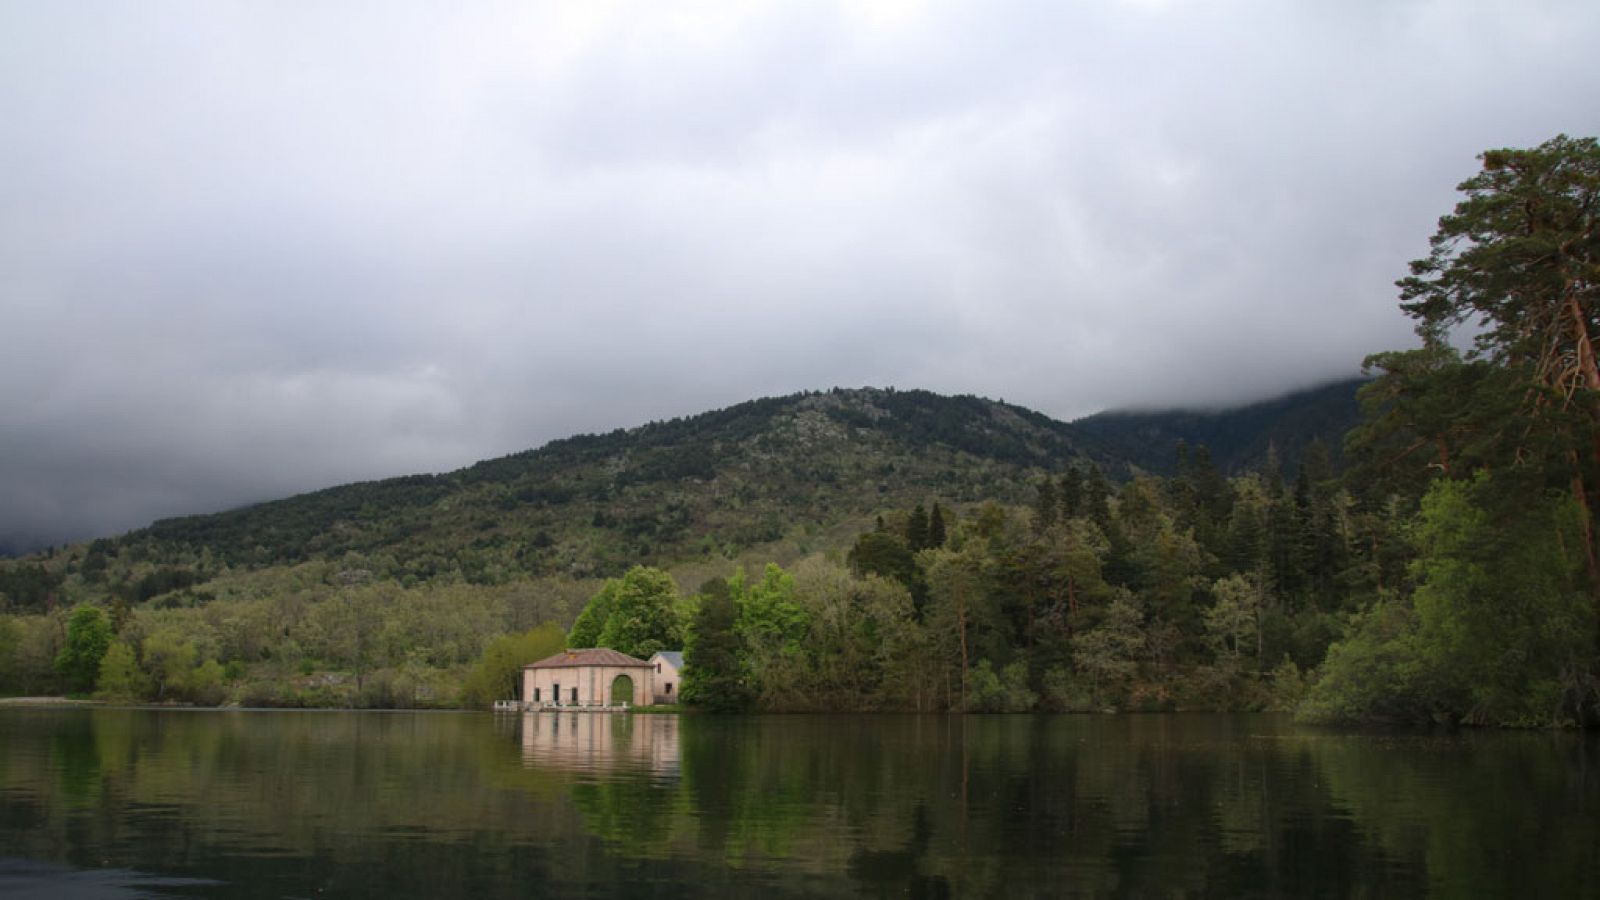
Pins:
x,y
622,691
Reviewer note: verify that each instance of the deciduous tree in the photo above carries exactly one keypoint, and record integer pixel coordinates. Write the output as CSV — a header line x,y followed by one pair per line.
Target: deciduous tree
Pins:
x,y
88,638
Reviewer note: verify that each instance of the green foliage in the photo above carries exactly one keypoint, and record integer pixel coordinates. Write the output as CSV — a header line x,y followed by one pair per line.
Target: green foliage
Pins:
x,y
497,674
586,630
917,530
1232,622
1006,691
1497,629
1065,691
885,555
392,591
1047,506
121,680
958,601
1108,656
169,658
768,614
1377,673
10,653
860,650
1500,447
642,618
597,504
1502,615
714,676
1516,251
88,638
29,646
1287,688
26,587
205,684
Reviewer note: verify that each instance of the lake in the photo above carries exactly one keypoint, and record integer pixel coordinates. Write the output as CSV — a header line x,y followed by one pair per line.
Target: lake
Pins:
x,y
125,803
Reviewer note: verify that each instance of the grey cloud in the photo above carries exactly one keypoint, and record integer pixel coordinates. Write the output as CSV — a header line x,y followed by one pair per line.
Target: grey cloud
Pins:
x,y
247,250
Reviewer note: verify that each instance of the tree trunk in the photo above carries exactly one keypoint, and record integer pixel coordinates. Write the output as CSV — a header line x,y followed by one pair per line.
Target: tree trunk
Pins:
x,y
1589,370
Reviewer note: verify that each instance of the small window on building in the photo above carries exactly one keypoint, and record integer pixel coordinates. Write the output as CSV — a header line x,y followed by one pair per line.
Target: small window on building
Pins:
x,y
536,695
658,668
669,687
574,696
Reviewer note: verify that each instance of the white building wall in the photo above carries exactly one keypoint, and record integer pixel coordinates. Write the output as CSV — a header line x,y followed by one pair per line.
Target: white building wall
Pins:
x,y
665,673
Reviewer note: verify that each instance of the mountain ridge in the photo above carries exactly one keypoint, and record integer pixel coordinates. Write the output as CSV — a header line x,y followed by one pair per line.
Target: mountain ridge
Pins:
x,y
1238,438
714,482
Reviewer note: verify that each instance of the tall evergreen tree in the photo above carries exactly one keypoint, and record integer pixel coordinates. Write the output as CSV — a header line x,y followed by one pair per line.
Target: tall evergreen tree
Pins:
x,y
713,675
1517,260
936,527
1096,494
917,529
1046,506
1071,493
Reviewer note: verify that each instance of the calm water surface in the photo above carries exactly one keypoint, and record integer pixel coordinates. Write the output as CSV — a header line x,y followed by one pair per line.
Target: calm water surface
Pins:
x,y
134,803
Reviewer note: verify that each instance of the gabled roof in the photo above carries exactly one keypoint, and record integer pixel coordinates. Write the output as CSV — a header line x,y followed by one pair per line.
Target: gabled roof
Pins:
x,y
675,657
595,656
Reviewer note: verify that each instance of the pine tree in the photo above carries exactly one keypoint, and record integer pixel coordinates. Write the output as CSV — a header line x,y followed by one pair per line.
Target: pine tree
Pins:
x,y
1516,262
936,529
917,529
1095,494
1071,493
1046,506
714,666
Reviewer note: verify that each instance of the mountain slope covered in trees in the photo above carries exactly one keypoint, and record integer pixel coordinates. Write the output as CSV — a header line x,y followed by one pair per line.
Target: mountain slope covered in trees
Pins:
x,y
729,479
596,504
418,590
1239,439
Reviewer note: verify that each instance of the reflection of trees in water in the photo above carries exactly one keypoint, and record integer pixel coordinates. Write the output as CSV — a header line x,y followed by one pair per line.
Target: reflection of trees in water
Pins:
x,y
885,806
1140,804
899,873
286,803
1517,817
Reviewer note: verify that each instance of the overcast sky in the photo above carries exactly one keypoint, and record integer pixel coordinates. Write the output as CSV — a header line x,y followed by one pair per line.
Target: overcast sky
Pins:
x,y
252,249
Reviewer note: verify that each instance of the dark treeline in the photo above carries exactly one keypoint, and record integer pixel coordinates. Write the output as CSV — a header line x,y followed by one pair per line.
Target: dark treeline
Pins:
x,y
1187,592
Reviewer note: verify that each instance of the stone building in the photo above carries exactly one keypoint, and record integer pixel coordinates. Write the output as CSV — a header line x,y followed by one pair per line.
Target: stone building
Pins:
x,y
595,677
668,675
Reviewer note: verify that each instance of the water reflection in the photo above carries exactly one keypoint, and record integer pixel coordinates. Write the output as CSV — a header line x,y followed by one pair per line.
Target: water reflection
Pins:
x,y
26,878
600,742
601,805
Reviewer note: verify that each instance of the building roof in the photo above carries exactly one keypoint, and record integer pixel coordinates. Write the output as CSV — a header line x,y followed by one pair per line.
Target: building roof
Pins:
x,y
594,656
672,656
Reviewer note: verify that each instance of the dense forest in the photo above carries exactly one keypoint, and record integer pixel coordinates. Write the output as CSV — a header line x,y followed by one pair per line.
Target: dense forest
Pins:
x,y
884,550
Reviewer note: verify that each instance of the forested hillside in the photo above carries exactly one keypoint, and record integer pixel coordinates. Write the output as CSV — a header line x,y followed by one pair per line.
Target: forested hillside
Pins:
x,y
707,485
1272,434
439,565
